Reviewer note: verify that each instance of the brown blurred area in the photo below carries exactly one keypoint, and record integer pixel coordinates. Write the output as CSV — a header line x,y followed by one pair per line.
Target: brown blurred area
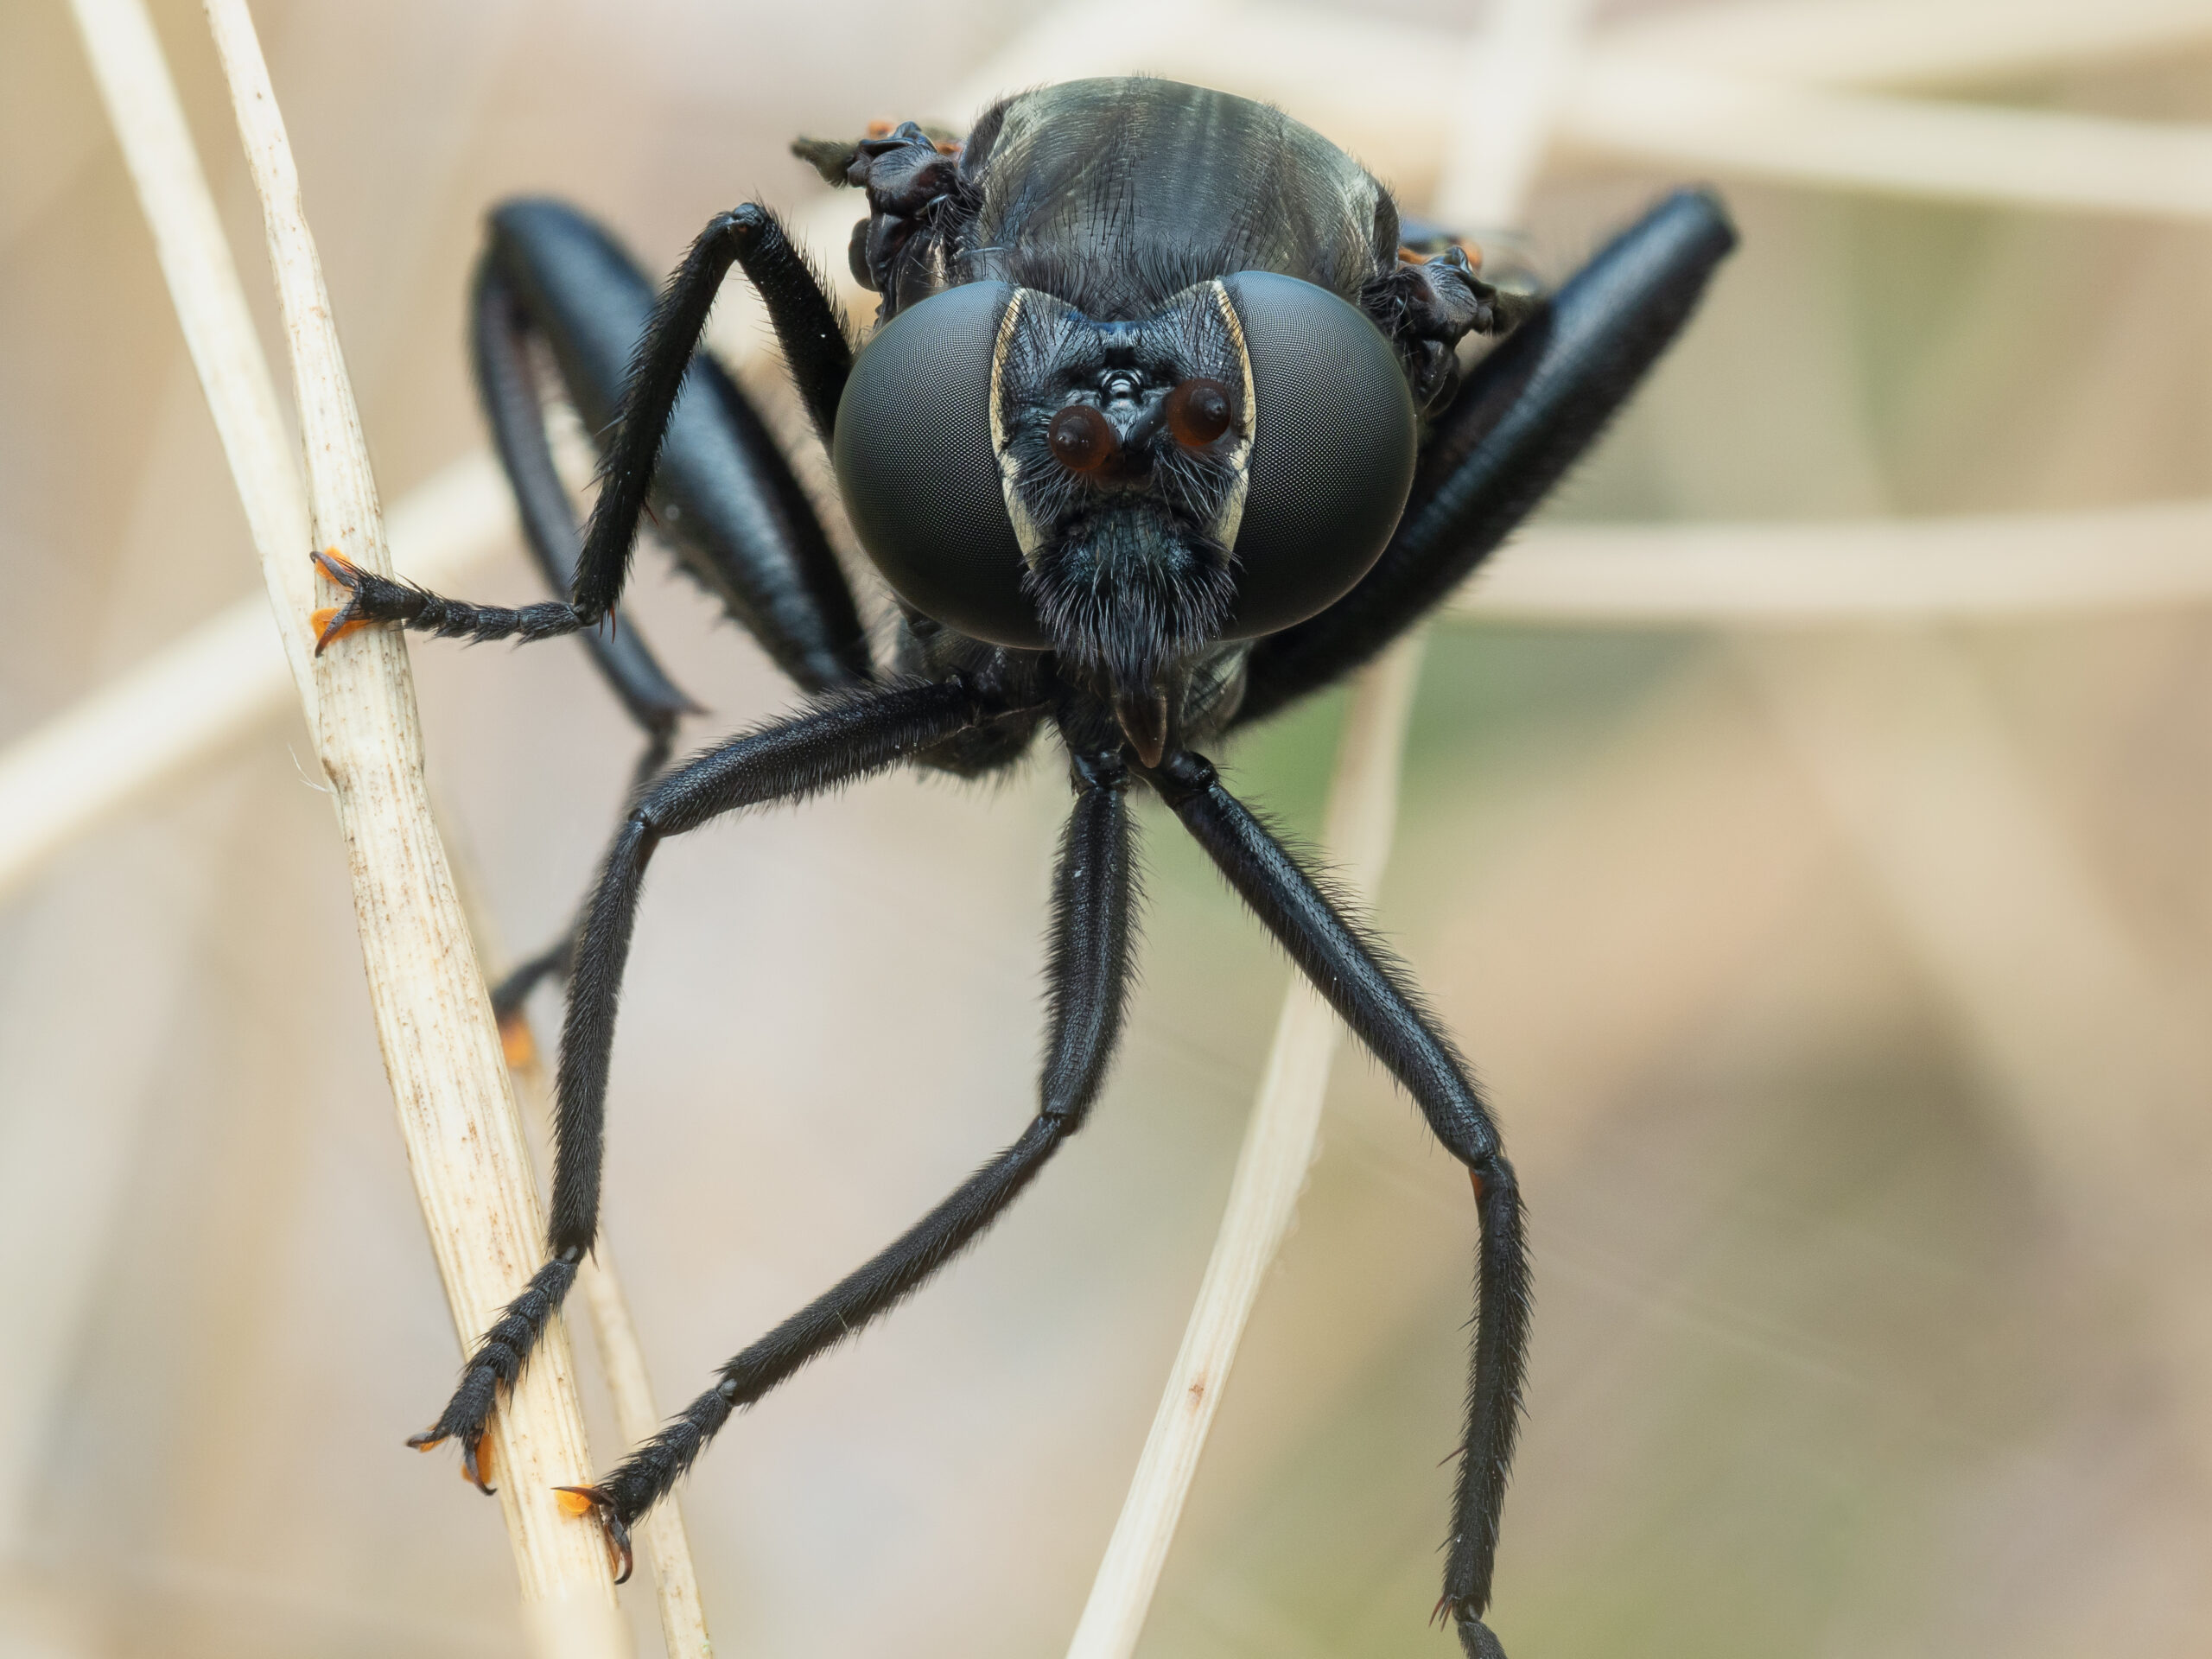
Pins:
x,y
1840,990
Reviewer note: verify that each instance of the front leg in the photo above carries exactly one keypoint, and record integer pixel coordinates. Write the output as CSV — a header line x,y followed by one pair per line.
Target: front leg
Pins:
x,y
813,339
1367,992
845,736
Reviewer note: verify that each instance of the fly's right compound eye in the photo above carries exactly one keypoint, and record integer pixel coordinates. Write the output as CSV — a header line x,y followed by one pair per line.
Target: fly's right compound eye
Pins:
x,y
1333,441
918,472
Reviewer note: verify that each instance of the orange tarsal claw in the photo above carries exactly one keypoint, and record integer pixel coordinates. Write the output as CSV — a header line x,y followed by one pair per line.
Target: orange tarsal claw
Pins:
x,y
476,1463
579,1501
478,1468
325,634
475,1460
330,623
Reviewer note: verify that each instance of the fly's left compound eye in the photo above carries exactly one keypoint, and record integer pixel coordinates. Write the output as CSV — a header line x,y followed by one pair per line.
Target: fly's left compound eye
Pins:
x,y
917,473
1199,411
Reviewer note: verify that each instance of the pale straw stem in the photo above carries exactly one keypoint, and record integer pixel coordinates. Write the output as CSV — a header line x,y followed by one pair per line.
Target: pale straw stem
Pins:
x,y
457,1114
1742,127
1973,567
667,1541
1906,42
201,694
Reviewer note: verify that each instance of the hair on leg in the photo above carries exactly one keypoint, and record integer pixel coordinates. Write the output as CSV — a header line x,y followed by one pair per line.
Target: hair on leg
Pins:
x,y
1088,981
813,336
1368,990
844,737
507,384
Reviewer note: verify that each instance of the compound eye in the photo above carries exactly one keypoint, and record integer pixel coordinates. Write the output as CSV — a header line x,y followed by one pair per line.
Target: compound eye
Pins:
x,y
919,475
1083,440
1199,412
1334,437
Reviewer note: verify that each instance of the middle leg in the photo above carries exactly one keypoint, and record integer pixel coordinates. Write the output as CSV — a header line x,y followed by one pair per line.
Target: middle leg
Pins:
x,y
557,958
1088,979
847,736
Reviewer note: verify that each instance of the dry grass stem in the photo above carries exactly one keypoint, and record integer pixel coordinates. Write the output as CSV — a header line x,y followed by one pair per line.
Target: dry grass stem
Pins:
x,y
667,1541
211,687
1980,567
142,103
1736,126
664,1539
463,1135
192,697
228,676
1907,42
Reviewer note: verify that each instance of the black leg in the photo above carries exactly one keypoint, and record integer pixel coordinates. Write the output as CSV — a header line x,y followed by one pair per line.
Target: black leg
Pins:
x,y
1527,411
554,961
507,381
1368,991
806,322
1087,982
737,513
847,736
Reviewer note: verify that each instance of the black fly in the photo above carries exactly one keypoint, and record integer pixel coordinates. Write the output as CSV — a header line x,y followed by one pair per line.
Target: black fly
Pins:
x,y
1160,428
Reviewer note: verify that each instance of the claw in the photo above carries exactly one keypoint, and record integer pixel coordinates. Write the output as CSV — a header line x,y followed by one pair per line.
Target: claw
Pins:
x,y
328,630
476,1463
333,622
583,1500
475,1457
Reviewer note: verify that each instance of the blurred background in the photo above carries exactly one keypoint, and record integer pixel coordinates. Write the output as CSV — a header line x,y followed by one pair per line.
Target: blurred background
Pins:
x,y
1840,986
